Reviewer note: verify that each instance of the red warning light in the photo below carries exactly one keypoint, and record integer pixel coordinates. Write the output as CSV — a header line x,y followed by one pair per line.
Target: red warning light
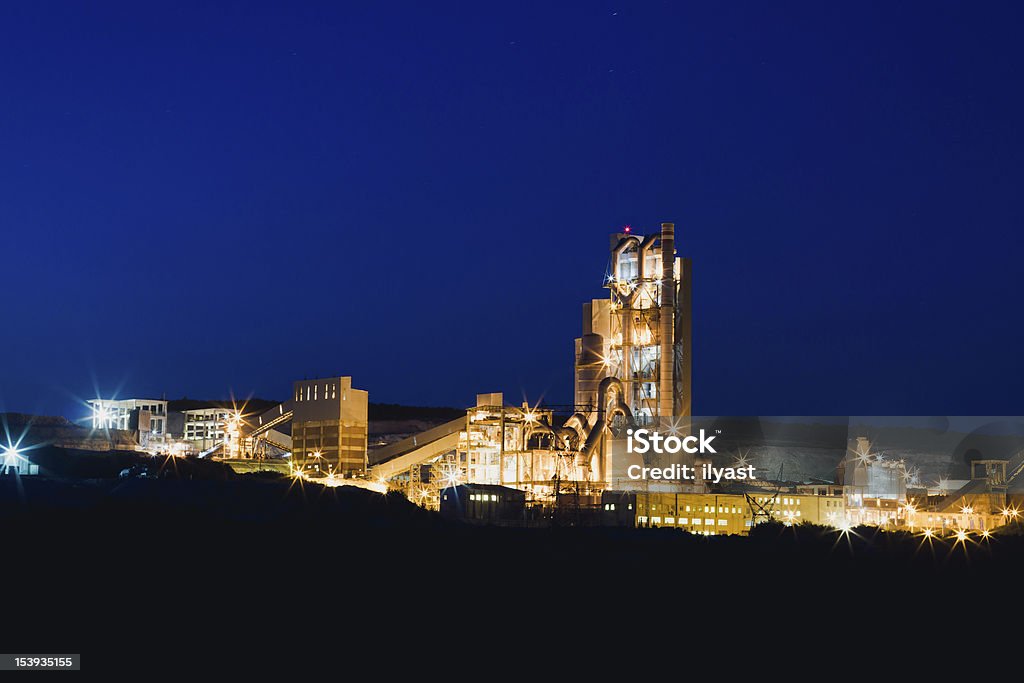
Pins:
x,y
627,228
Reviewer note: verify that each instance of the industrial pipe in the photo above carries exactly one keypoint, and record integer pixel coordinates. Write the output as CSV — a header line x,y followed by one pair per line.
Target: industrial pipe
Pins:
x,y
666,390
608,385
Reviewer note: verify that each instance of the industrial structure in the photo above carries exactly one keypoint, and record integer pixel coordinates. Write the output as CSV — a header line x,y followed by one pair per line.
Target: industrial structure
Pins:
x,y
329,426
148,417
517,464
632,366
640,334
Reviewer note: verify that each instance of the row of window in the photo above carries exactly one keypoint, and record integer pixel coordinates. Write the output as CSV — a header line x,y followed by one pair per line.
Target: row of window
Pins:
x,y
696,521
189,417
722,509
312,392
484,497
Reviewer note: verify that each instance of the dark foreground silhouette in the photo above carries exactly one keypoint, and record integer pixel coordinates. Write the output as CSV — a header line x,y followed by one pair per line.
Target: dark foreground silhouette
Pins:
x,y
123,568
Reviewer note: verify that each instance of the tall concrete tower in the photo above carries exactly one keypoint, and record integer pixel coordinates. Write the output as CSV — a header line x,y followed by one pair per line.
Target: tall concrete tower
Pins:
x,y
641,334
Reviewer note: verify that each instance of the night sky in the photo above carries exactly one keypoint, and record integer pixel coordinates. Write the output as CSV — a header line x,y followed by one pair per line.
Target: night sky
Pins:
x,y
197,199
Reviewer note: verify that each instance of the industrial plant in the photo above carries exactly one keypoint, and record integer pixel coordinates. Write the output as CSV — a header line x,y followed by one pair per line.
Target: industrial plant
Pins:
x,y
535,465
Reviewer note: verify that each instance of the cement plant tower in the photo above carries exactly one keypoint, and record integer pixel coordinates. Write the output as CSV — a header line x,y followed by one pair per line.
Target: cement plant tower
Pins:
x,y
641,334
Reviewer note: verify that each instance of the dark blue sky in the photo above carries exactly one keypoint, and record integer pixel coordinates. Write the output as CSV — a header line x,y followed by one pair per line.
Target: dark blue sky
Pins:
x,y
202,197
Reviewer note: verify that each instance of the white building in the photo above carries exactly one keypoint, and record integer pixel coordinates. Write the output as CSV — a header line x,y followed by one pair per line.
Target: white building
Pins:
x,y
151,415
207,427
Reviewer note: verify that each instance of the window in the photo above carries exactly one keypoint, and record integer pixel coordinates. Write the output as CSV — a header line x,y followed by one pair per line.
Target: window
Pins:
x,y
696,522
630,506
655,520
683,520
628,267
670,520
709,522
641,519
612,506
722,522
687,508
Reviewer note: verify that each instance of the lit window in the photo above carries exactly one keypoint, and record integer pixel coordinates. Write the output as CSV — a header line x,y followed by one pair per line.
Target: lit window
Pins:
x,y
630,506
722,522
696,522
655,520
683,520
612,506
641,519
494,498
670,520
687,508
709,522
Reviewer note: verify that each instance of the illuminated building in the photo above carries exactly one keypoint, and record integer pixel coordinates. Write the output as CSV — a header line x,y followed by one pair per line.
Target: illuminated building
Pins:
x,y
485,503
14,462
205,427
329,426
980,504
126,414
494,444
147,417
641,334
868,476
632,367
718,514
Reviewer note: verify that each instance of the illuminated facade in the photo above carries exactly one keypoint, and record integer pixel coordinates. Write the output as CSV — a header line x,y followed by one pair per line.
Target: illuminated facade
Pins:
x,y
329,426
128,414
641,334
718,514
206,428
147,417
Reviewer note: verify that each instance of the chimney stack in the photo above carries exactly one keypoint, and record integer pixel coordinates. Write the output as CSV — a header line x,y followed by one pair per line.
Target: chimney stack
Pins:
x,y
668,304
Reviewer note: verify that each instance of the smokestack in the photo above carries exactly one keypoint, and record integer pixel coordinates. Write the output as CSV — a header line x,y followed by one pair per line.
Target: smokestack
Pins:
x,y
668,305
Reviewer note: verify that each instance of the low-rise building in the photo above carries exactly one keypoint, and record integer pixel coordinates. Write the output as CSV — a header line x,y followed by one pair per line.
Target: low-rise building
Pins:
x,y
125,414
147,418
724,513
486,503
